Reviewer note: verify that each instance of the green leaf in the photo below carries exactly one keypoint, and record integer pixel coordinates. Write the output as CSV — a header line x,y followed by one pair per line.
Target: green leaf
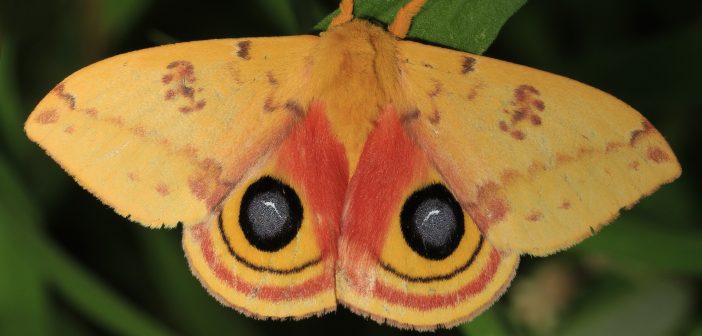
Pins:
x,y
656,309
486,324
468,25
644,244
88,295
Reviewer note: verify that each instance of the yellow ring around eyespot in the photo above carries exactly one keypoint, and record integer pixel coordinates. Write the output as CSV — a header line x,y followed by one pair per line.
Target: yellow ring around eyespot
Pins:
x,y
405,261
302,252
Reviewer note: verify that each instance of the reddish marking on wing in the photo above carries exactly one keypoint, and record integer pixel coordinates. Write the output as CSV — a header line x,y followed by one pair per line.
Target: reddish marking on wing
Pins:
x,y
535,216
425,302
207,185
198,186
565,205
69,129
162,189
91,112
658,155
133,176
613,146
525,106
47,117
139,130
180,80
265,293
634,165
489,208
388,163
517,134
315,159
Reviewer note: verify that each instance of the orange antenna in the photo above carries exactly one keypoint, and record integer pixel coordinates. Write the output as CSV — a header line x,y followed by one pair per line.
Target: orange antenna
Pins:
x,y
346,14
400,26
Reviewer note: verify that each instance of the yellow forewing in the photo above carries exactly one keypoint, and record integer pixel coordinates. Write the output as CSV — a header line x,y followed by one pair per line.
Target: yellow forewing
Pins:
x,y
539,161
163,134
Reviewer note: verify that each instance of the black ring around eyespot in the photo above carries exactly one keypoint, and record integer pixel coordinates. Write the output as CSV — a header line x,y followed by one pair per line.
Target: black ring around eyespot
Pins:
x,y
433,278
243,261
432,222
270,214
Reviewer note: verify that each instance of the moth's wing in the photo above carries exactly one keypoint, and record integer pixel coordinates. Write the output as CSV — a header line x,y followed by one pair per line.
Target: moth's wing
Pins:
x,y
163,134
539,161
277,273
380,273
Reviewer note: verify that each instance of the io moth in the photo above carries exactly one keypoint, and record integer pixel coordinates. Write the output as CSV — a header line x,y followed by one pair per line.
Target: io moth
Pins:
x,y
399,179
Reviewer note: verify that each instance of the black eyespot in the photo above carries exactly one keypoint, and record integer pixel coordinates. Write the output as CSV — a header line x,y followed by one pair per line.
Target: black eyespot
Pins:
x,y
270,214
432,222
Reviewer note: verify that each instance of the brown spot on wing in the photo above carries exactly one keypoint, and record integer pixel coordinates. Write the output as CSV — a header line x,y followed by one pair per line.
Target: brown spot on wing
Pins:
x,y
47,117
468,65
411,115
489,207
162,189
268,104
613,146
565,205
59,90
271,79
535,216
435,118
636,135
69,129
634,165
244,49
524,106
517,134
180,80
294,107
132,176
658,155
91,112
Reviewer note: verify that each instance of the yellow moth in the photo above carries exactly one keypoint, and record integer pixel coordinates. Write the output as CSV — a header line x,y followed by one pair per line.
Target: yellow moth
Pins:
x,y
399,179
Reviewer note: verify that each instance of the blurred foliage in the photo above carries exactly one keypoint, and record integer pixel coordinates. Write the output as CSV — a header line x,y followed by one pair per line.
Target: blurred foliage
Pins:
x,y
71,266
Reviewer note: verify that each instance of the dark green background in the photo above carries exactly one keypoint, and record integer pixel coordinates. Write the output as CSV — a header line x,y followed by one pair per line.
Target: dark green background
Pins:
x,y
69,265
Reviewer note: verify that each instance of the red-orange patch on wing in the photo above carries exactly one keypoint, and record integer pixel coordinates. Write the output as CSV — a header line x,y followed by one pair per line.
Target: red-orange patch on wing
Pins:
x,y
47,117
388,163
315,159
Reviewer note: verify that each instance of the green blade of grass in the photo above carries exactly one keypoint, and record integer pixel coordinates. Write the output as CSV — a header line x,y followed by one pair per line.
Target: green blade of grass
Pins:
x,y
23,246
24,306
468,25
